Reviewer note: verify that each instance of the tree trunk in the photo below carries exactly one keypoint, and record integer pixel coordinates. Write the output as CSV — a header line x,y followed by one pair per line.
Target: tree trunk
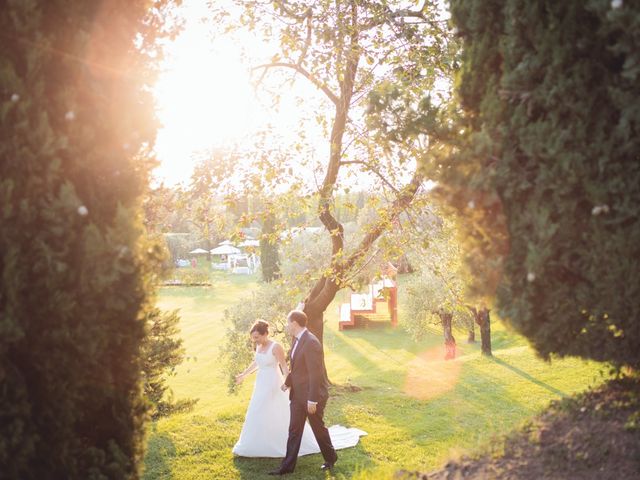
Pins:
x,y
403,264
483,319
472,333
321,295
316,323
449,340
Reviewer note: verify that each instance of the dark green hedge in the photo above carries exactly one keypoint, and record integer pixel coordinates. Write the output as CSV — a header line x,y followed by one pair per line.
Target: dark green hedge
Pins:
x,y
74,122
551,92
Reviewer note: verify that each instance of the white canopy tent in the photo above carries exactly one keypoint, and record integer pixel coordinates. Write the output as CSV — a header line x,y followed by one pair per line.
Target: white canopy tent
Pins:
x,y
250,243
198,251
225,250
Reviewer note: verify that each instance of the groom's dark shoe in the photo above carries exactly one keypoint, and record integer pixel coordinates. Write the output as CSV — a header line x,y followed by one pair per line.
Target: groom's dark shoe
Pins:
x,y
280,472
327,466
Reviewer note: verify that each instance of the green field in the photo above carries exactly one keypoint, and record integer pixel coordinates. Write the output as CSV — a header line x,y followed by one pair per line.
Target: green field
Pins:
x,y
418,409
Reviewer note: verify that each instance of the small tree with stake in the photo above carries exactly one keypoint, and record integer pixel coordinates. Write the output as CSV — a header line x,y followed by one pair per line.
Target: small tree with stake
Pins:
x,y
435,294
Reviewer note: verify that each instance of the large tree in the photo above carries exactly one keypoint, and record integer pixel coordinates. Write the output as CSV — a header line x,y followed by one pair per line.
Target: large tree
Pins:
x,y
358,54
76,124
552,120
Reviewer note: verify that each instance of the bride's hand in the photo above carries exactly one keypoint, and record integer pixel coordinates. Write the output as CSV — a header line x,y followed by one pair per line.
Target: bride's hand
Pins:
x,y
284,387
239,378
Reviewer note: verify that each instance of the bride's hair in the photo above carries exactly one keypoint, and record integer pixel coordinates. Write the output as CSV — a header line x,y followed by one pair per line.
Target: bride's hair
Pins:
x,y
260,326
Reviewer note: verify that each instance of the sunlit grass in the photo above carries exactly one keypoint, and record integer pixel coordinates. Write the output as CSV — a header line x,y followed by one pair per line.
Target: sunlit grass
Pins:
x,y
417,408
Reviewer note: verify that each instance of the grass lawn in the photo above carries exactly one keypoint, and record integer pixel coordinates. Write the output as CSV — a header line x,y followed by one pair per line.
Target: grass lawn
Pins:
x,y
418,409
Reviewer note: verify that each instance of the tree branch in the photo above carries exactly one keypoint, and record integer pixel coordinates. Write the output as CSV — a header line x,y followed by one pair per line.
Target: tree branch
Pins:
x,y
389,14
372,169
290,13
401,202
307,43
309,76
354,274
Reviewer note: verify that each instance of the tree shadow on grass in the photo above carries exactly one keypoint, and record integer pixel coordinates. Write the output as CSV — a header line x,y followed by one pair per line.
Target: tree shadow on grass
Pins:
x,y
410,421
486,397
342,348
390,345
393,338
160,454
502,338
417,432
528,377
250,468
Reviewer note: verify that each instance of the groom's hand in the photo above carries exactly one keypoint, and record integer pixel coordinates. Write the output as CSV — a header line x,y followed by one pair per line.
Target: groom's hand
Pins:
x,y
311,407
284,387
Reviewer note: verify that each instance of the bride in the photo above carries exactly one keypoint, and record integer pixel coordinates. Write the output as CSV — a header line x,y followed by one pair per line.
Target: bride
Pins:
x,y
266,425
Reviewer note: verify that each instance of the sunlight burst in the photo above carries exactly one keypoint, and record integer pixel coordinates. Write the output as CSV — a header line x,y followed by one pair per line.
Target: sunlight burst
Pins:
x,y
429,376
203,99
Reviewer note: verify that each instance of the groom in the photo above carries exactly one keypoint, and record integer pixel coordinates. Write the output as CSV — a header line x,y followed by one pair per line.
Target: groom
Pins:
x,y
308,394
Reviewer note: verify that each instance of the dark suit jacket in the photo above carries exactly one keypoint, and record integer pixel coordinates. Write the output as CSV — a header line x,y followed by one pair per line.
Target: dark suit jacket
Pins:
x,y
307,380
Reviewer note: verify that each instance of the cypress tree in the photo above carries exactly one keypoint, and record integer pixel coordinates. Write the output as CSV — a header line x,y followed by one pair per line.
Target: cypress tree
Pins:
x,y
76,122
552,101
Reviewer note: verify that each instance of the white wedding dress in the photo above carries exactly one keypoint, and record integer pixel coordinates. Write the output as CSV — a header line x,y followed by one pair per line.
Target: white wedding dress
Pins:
x,y
266,425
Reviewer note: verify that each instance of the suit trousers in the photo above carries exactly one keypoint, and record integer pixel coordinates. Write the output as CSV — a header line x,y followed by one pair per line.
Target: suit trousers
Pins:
x,y
296,428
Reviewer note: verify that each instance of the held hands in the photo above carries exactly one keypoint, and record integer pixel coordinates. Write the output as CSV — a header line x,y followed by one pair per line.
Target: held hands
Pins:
x,y
284,387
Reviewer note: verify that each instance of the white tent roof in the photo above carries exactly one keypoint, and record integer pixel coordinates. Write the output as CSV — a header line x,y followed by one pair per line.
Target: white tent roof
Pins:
x,y
250,243
226,242
225,250
198,250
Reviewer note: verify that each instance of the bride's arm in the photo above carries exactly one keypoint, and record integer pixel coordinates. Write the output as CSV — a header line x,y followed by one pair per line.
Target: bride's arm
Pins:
x,y
250,369
278,352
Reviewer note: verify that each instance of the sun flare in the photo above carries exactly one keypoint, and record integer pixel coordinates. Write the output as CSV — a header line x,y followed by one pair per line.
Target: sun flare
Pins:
x,y
203,99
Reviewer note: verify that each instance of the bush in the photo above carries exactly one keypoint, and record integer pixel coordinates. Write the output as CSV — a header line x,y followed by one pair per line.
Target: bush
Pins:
x,y
188,276
75,275
552,96
162,352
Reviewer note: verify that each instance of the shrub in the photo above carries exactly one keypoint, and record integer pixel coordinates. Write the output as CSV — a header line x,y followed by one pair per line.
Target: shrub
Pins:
x,y
552,98
162,352
75,125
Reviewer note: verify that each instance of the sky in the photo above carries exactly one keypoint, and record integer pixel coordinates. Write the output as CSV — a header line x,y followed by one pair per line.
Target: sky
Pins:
x,y
205,98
